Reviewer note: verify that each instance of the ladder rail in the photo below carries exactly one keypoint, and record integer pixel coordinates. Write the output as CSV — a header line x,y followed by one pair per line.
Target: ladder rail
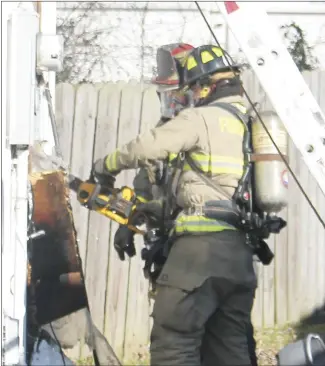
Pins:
x,y
288,92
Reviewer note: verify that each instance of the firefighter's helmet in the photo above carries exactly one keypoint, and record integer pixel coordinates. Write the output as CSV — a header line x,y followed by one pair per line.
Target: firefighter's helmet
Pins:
x,y
204,61
170,61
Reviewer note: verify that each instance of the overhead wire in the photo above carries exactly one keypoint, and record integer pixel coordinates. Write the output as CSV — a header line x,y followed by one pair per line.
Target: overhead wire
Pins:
x,y
253,107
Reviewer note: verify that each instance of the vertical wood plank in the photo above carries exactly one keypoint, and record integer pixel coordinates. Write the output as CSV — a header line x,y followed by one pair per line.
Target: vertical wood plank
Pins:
x,y
320,264
281,275
150,109
99,226
82,110
150,116
82,156
64,115
257,312
269,288
303,245
118,281
321,206
313,246
137,326
135,334
113,103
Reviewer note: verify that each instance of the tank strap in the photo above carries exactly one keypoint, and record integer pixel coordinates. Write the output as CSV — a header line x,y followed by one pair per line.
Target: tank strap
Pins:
x,y
245,180
244,118
246,147
204,177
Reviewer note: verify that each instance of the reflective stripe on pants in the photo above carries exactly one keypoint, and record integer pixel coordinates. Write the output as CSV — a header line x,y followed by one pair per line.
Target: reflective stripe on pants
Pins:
x,y
199,224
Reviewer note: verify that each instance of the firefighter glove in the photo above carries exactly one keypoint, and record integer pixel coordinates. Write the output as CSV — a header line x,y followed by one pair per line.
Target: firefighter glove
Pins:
x,y
124,242
101,174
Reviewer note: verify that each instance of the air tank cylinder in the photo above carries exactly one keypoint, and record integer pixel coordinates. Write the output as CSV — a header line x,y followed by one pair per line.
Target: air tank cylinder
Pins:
x,y
270,173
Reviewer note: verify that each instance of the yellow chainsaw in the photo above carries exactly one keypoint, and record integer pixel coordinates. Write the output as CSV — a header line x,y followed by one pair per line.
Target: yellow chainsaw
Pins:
x,y
117,204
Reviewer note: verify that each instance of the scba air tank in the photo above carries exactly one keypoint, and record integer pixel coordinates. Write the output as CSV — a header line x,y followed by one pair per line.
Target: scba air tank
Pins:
x,y
270,173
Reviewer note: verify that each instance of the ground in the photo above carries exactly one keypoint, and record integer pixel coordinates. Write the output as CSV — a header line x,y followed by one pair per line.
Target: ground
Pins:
x,y
269,342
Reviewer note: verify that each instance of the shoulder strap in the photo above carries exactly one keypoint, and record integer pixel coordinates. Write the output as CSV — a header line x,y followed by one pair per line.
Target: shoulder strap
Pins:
x,y
206,179
244,118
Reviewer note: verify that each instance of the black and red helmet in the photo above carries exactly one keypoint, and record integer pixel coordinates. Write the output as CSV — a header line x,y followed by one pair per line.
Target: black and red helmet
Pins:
x,y
170,60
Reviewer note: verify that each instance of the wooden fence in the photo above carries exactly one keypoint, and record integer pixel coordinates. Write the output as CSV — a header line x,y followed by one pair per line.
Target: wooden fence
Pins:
x,y
95,119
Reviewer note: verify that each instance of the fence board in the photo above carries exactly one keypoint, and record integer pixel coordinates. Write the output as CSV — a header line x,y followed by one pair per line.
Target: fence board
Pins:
x,y
303,245
81,156
112,282
268,289
99,226
292,286
321,206
320,273
137,325
281,274
64,115
150,109
150,117
136,334
128,129
313,249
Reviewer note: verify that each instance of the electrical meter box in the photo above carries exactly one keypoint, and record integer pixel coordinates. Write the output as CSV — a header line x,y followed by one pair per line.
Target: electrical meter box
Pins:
x,y
49,52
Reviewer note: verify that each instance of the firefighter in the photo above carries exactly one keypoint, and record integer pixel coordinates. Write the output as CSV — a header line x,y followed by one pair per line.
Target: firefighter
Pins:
x,y
206,287
147,184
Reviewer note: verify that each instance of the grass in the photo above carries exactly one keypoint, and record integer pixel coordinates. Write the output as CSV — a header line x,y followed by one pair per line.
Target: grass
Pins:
x,y
268,341
88,361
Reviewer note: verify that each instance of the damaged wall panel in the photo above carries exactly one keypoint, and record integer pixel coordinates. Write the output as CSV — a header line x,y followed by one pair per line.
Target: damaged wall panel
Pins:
x,y
57,298
54,259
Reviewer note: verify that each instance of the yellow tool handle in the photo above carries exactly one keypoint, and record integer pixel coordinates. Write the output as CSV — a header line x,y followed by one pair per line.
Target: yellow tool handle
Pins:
x,y
120,220
86,190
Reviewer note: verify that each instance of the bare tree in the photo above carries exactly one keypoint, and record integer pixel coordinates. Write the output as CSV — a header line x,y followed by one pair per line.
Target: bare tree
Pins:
x,y
295,40
84,49
298,47
144,50
102,42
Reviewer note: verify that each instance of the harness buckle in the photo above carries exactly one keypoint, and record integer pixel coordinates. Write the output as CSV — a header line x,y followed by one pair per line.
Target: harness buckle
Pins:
x,y
182,156
194,211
